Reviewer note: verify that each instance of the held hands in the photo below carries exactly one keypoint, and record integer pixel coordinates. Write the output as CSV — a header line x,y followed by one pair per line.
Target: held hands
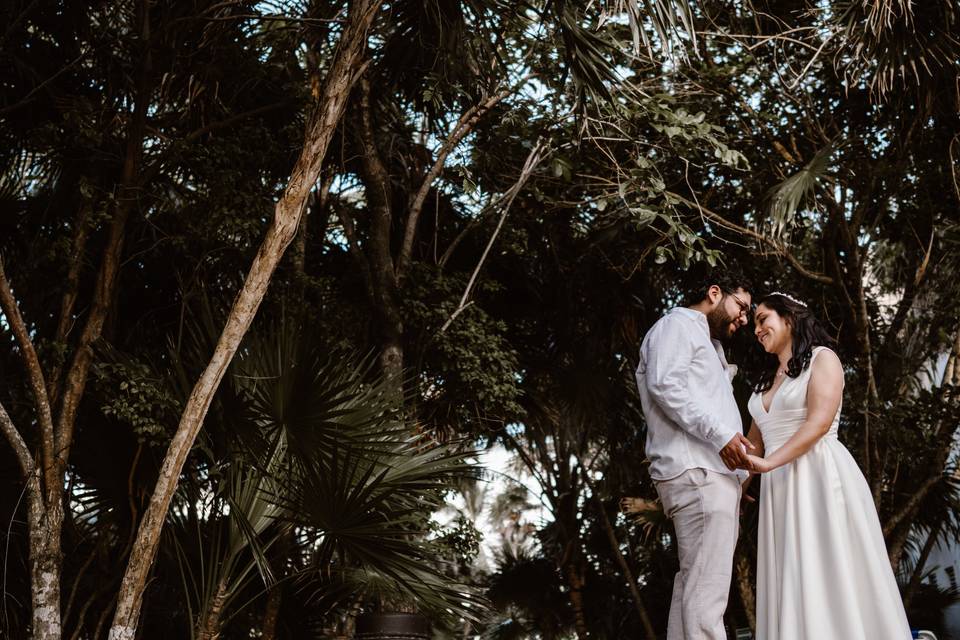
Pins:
x,y
756,464
734,453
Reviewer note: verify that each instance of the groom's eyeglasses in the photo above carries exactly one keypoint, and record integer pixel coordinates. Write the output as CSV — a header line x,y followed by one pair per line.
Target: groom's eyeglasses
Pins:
x,y
744,307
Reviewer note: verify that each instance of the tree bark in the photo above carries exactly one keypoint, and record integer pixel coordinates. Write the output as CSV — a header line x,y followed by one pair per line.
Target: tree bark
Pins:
x,y
344,69
208,627
66,320
575,580
44,499
896,545
744,579
384,282
45,562
271,613
915,578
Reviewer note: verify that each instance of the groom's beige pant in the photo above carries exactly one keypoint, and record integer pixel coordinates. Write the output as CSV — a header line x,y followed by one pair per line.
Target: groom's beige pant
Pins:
x,y
704,508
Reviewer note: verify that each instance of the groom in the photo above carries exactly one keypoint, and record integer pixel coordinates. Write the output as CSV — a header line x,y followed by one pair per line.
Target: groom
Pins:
x,y
694,442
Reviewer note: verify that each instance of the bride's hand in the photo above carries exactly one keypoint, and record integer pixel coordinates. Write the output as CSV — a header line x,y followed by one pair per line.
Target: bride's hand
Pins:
x,y
756,464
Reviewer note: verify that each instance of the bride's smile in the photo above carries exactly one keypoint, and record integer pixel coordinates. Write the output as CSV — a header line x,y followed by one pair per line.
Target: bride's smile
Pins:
x,y
771,329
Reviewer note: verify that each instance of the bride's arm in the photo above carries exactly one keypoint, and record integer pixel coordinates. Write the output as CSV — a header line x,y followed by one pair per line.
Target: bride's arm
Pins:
x,y
824,393
755,437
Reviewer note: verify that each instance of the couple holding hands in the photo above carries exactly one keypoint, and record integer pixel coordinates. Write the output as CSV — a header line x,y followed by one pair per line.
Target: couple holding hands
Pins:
x,y
822,567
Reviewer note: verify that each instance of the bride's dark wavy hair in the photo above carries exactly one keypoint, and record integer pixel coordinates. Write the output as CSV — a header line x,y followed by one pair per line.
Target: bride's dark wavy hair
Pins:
x,y
807,333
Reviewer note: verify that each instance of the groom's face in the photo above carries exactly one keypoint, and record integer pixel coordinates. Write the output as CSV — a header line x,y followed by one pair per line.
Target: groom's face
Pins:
x,y
730,314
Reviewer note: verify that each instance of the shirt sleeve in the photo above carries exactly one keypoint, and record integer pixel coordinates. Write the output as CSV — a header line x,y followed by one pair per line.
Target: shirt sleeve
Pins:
x,y
668,356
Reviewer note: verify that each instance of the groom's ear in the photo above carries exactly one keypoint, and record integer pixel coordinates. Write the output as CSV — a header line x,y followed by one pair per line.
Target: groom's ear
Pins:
x,y
714,293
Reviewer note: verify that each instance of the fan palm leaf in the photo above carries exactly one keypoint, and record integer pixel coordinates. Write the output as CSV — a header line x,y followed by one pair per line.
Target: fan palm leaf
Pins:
x,y
786,198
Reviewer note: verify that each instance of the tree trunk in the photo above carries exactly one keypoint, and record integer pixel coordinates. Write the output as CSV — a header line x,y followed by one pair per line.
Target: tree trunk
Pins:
x,y
897,544
627,573
322,123
745,588
384,282
208,627
46,560
928,546
576,601
43,487
271,613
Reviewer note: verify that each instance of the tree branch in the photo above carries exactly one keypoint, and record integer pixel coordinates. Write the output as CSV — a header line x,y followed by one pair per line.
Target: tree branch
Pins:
x,y
16,441
463,127
104,290
37,384
377,189
533,159
908,508
777,247
66,320
909,295
195,135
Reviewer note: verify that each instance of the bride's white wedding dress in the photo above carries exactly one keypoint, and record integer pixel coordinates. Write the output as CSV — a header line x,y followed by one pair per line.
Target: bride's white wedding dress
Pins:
x,y
822,567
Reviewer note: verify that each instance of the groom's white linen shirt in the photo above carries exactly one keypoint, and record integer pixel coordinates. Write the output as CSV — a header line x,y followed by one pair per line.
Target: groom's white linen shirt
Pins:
x,y
687,397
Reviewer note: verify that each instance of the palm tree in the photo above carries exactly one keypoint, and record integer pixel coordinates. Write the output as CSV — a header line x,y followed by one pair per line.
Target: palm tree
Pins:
x,y
316,447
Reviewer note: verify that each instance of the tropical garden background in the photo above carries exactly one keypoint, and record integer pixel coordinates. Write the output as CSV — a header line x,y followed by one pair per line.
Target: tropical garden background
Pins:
x,y
311,309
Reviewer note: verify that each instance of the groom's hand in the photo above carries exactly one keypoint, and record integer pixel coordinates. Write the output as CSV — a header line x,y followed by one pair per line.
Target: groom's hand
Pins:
x,y
734,453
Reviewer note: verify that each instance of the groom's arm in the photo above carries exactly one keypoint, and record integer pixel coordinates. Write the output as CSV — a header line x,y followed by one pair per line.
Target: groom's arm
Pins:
x,y
668,356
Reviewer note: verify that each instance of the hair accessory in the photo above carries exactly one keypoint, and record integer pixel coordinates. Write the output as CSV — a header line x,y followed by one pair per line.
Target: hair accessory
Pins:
x,y
788,297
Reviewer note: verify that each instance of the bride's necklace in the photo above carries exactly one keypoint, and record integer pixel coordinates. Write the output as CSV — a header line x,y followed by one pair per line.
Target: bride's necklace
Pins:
x,y
781,372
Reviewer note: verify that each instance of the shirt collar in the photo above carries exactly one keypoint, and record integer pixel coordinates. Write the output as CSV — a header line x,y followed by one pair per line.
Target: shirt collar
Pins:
x,y
695,315
701,319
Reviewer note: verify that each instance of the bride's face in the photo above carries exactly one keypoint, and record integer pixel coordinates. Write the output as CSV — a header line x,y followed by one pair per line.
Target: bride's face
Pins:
x,y
773,331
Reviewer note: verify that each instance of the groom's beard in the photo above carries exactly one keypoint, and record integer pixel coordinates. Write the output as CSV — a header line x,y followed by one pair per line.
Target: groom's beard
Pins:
x,y
719,321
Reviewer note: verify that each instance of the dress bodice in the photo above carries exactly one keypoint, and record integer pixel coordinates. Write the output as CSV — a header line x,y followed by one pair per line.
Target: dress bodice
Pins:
x,y
788,410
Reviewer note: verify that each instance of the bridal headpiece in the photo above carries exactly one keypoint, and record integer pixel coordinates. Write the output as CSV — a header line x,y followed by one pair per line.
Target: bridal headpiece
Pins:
x,y
788,297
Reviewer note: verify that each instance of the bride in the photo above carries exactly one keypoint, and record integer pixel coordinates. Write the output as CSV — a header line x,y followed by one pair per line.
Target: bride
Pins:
x,y
822,568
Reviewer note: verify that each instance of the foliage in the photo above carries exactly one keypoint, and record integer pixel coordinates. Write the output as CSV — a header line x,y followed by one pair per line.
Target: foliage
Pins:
x,y
812,144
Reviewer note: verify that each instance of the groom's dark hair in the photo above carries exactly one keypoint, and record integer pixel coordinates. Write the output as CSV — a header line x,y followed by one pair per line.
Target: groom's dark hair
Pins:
x,y
699,279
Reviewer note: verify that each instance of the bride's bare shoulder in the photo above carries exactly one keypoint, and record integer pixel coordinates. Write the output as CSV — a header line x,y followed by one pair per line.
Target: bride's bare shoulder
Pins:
x,y
826,363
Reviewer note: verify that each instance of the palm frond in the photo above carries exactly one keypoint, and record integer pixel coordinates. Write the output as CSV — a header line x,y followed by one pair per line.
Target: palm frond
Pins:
x,y
786,198
222,551
670,20
891,43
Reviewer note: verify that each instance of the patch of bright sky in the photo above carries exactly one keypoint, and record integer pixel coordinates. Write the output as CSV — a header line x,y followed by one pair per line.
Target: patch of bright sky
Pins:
x,y
503,473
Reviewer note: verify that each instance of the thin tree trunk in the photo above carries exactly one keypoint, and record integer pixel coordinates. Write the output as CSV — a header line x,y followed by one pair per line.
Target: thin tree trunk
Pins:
x,y
344,69
271,614
44,493
66,320
46,562
897,545
384,281
624,565
576,601
928,546
209,625
631,580
745,587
